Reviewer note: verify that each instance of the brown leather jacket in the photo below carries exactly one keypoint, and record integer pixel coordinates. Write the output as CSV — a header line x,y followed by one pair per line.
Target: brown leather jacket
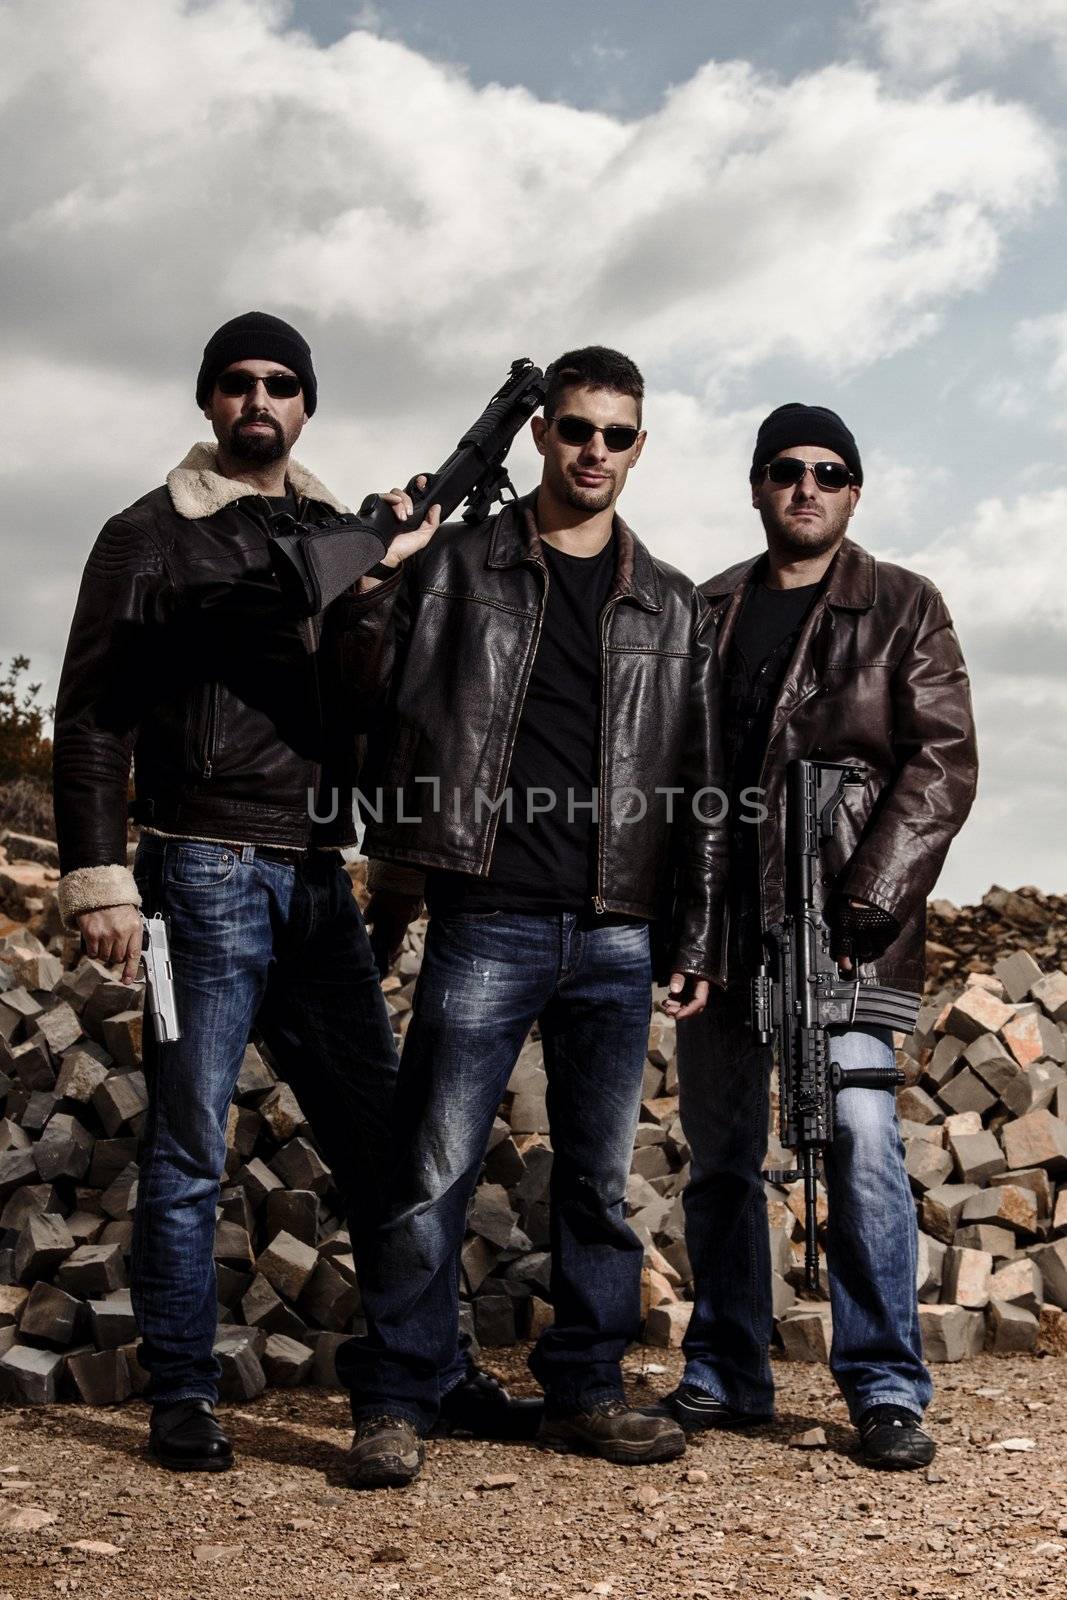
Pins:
x,y
877,679
468,617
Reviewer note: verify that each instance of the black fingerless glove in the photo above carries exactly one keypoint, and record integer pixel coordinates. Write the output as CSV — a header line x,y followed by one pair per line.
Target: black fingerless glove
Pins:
x,y
861,932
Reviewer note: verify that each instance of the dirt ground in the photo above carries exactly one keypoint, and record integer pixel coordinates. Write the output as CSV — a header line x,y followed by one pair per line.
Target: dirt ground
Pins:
x,y
746,1515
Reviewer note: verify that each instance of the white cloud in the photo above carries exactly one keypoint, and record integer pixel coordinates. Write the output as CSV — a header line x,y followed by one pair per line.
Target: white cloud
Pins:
x,y
932,36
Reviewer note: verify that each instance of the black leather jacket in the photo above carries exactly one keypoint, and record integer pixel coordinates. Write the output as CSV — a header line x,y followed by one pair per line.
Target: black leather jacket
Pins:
x,y
182,655
468,617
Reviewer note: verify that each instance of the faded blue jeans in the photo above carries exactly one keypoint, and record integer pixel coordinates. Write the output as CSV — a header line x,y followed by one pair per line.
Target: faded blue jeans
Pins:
x,y
871,1241
485,980
253,941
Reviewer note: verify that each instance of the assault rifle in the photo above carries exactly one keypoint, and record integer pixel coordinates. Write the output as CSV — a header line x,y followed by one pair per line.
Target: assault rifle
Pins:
x,y
314,567
802,994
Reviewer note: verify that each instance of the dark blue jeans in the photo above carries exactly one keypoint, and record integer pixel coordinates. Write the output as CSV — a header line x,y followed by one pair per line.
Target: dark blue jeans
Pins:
x,y
871,1242
485,981
253,941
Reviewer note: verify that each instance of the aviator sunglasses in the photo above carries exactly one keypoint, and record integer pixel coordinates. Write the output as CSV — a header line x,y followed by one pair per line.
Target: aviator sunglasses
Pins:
x,y
279,385
789,470
576,430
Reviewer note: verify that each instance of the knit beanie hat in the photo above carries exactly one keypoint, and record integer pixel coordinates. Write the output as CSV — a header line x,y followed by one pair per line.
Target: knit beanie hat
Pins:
x,y
795,424
257,336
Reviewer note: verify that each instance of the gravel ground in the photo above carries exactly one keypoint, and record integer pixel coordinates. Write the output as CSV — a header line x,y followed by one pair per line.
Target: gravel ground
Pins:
x,y
747,1515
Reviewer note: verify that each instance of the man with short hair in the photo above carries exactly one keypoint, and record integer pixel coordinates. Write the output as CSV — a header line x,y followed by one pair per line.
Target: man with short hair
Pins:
x,y
183,655
550,706
828,654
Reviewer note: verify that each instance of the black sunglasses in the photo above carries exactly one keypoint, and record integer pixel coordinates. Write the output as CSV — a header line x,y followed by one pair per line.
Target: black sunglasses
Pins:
x,y
279,385
789,470
576,430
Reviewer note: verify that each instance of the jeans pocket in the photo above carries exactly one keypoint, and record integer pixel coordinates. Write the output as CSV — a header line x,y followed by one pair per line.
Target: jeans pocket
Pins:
x,y
199,866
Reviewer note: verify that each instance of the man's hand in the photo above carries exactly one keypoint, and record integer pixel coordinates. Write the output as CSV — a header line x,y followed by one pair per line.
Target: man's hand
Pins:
x,y
387,917
405,544
873,933
688,995
113,935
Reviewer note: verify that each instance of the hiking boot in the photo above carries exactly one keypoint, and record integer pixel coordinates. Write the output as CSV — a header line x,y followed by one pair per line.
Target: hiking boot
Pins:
x,y
386,1453
616,1432
891,1437
698,1411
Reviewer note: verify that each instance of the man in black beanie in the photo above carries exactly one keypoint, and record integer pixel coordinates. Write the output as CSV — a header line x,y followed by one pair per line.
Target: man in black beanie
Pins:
x,y
183,656
829,654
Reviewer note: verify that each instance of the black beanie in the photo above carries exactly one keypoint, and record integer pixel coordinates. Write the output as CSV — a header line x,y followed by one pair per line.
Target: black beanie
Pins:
x,y
257,336
794,425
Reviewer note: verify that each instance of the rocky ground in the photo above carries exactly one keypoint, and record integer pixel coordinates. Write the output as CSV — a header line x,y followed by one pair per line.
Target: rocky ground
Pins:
x,y
760,1515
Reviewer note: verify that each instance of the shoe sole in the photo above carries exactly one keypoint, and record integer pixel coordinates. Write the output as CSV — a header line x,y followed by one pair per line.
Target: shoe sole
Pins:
x,y
202,1464
396,1474
619,1452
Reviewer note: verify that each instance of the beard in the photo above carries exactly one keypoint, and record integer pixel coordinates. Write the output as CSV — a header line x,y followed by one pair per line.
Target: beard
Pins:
x,y
258,449
588,499
805,539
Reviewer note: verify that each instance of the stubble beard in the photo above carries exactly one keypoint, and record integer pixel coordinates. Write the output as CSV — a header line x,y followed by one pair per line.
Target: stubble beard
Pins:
x,y
258,449
807,541
580,499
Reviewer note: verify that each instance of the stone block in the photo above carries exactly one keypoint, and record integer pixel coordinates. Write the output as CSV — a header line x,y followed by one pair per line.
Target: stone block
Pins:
x,y
978,1156
1017,972
1012,1329
12,1299
974,1012
30,1375
61,1027
45,1241
238,1352
997,1242
287,1264
294,1211
233,1247
120,1196
916,1105
286,1363
927,1164
951,1333
31,1200
529,1111
255,1077
966,1092
1037,1181
1008,1205
1051,1262
257,1181
31,1065
50,1315
1050,992
1032,1089
38,1109
1031,1035
478,1258
101,1377
110,1158
960,1122
1019,1283
328,1298
120,1102
1036,1140
942,1063
806,1332
300,1166
662,1040
114,1323
17,1167
324,1368
665,1325
108,999
988,1057
942,1207
92,1271
261,1307
64,1149
80,1075
280,1110
929,1267
965,1277
494,1320
491,1216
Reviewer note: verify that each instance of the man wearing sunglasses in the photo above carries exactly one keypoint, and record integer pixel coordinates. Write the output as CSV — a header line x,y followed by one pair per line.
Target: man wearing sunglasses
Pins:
x,y
182,655
551,706
826,653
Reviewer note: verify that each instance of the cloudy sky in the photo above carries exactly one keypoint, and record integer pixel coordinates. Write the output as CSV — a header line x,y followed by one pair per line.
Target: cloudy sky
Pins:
x,y
856,203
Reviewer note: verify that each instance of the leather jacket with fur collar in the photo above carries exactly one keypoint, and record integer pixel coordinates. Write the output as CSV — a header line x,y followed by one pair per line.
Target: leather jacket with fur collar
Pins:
x,y
182,657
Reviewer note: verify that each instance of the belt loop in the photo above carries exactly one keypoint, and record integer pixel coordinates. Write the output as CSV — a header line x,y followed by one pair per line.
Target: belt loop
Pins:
x,y
248,853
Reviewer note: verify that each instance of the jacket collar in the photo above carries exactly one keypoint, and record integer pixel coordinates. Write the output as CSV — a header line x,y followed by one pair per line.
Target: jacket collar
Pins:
x,y
852,584
513,539
198,489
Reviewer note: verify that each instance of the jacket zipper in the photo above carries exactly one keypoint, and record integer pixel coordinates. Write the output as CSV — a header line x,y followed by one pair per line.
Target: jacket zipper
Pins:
x,y
605,616
494,821
212,730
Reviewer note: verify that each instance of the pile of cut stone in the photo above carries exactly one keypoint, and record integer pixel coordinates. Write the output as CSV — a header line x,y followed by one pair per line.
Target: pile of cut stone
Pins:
x,y
983,1121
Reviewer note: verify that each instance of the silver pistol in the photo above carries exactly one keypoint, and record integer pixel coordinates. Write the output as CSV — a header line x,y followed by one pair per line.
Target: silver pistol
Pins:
x,y
159,975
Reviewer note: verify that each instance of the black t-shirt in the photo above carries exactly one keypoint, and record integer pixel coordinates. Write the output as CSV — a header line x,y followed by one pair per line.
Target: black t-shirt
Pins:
x,y
544,856
764,639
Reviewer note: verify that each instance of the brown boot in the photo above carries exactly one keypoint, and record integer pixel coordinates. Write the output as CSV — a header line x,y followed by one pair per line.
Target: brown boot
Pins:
x,y
615,1432
386,1453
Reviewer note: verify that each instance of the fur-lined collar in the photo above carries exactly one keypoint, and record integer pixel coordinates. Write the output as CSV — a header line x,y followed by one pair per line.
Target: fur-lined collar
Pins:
x,y
198,488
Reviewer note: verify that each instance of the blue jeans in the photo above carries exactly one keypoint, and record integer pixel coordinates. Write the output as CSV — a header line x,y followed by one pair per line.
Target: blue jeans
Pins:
x,y
871,1240
253,942
485,980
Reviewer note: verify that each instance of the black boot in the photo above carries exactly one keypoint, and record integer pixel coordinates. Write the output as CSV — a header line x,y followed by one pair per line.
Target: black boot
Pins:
x,y
890,1437
482,1408
186,1438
